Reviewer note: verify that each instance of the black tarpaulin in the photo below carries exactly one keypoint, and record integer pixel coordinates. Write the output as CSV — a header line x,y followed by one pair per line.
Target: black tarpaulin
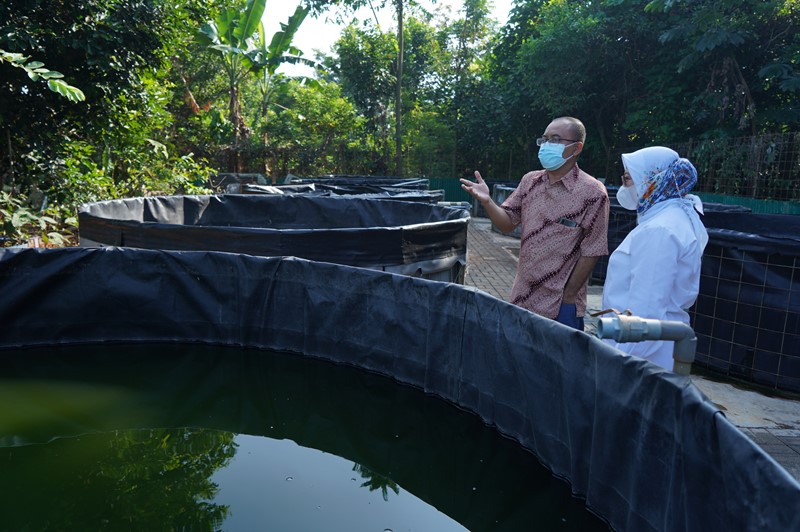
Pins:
x,y
747,315
361,190
766,233
402,237
645,448
358,180
621,221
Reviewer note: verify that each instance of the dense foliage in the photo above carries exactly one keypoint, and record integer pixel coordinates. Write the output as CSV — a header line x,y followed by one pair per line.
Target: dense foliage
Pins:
x,y
176,90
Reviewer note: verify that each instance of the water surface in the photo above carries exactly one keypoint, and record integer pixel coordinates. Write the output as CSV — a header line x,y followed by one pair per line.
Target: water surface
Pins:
x,y
187,437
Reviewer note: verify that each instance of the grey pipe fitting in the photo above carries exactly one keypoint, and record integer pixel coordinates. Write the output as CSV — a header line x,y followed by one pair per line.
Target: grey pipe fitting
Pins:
x,y
623,328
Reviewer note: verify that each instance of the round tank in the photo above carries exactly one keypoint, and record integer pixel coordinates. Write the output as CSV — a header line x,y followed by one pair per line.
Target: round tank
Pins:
x,y
408,238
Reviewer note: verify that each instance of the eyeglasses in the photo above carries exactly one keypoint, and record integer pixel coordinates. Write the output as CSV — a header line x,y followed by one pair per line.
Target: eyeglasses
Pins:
x,y
626,179
555,139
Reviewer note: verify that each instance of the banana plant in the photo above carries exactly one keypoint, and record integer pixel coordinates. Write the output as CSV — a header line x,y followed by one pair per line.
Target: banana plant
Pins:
x,y
231,34
266,60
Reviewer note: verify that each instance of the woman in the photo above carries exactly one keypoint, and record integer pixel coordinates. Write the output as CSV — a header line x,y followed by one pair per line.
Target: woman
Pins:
x,y
655,271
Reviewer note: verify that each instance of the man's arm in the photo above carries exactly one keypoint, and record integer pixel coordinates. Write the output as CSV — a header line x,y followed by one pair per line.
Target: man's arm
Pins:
x,y
480,191
579,276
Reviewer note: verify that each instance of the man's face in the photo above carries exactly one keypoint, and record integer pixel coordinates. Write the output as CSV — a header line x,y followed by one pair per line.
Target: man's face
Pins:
x,y
560,131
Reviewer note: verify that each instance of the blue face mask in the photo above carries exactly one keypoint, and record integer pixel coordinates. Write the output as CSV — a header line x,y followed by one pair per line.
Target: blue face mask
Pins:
x,y
551,155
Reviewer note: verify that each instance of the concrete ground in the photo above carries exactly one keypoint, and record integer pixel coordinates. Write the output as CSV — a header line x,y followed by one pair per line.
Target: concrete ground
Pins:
x,y
772,421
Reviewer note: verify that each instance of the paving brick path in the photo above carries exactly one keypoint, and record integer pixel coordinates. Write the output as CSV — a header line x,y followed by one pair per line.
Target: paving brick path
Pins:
x,y
491,259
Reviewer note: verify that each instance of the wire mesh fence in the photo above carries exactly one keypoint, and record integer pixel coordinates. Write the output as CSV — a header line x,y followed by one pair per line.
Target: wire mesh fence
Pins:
x,y
761,167
747,318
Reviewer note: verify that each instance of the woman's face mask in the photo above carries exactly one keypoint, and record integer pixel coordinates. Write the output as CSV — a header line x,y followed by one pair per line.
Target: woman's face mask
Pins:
x,y
551,155
626,195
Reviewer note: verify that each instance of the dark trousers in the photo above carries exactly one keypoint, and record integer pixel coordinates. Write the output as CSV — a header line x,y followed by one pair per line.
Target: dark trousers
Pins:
x,y
567,315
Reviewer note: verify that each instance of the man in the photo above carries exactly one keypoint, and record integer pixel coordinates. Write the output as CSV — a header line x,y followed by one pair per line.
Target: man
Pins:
x,y
564,217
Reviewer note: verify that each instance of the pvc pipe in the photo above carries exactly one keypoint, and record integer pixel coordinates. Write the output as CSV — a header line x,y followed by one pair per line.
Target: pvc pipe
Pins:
x,y
623,328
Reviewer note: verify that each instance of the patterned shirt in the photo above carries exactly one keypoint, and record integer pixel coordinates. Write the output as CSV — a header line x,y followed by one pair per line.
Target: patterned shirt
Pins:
x,y
550,245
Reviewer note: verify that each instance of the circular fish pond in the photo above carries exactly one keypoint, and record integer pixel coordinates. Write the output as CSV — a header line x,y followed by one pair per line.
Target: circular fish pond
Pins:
x,y
409,238
213,388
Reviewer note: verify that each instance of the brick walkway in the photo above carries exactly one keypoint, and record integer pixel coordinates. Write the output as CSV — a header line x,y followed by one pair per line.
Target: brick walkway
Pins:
x,y
491,259
771,422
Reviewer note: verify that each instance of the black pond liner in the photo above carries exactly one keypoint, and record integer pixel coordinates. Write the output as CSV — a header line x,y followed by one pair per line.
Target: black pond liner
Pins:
x,y
417,183
361,190
477,209
409,238
644,447
747,315
500,193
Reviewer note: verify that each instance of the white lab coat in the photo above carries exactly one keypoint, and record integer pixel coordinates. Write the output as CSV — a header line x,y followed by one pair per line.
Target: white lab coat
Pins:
x,y
655,272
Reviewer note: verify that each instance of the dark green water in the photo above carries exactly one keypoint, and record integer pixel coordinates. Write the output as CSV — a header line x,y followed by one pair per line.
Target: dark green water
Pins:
x,y
198,438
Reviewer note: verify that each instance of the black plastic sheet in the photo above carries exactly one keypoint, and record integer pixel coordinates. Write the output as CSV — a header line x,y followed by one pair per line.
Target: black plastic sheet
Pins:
x,y
747,315
477,208
358,180
411,238
763,233
365,190
645,448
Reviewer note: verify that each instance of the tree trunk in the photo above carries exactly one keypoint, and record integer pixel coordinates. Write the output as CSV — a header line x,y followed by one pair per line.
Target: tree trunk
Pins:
x,y
233,110
398,98
10,161
265,144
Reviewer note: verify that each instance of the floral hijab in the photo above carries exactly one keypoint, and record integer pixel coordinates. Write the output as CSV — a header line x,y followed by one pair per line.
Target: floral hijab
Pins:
x,y
659,174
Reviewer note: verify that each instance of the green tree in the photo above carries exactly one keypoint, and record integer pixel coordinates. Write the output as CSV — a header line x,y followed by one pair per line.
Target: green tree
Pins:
x,y
398,97
119,51
126,479
497,121
102,43
364,68
267,59
429,142
399,7
36,71
231,34
736,50
373,481
315,131
463,72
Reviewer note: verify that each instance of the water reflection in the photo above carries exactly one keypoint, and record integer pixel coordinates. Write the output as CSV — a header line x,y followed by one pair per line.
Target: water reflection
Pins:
x,y
376,482
321,495
123,480
95,437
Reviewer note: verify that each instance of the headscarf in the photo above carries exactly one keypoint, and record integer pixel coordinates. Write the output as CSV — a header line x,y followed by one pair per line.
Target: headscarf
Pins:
x,y
660,174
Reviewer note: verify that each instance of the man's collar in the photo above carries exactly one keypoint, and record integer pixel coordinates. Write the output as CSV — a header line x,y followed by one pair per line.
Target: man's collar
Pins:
x,y
570,179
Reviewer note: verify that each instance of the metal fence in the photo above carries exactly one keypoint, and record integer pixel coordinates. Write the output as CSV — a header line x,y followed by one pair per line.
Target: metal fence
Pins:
x,y
764,167
451,187
761,172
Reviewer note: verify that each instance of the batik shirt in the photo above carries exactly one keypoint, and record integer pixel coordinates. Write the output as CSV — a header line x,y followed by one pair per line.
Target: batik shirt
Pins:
x,y
549,245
